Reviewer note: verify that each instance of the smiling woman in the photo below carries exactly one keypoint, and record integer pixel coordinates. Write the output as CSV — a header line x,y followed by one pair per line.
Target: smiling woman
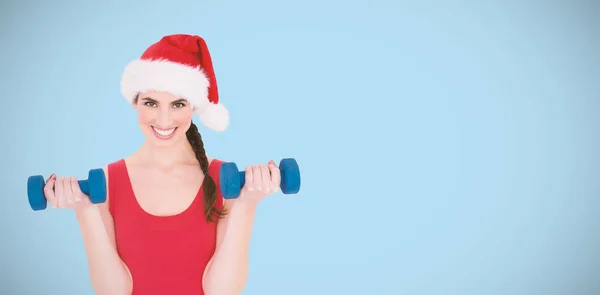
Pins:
x,y
165,227
162,123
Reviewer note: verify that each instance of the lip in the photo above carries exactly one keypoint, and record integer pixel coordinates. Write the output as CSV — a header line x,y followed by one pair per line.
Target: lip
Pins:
x,y
163,136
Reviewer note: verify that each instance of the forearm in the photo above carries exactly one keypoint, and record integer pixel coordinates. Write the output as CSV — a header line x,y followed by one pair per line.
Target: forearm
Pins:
x,y
228,271
108,273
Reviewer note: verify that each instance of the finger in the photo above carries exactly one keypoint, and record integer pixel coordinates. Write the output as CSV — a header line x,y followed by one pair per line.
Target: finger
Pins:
x,y
266,177
77,194
52,177
68,191
49,190
59,191
249,179
275,176
257,177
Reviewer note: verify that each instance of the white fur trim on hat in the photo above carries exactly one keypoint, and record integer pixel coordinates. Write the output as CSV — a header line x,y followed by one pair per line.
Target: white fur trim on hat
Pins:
x,y
180,80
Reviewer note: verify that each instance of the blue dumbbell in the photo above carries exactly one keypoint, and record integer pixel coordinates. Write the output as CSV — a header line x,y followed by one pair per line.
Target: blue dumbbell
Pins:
x,y
94,187
232,180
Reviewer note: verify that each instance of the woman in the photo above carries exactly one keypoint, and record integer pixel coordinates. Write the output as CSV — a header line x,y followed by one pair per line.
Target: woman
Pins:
x,y
165,227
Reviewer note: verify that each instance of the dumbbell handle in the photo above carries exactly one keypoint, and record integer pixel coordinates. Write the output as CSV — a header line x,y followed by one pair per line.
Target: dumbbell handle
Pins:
x,y
243,177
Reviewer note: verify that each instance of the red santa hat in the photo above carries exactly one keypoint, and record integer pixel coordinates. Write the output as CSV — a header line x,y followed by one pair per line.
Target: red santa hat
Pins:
x,y
181,65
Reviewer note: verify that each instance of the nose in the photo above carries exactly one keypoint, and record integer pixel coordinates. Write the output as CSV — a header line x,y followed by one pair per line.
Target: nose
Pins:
x,y
164,118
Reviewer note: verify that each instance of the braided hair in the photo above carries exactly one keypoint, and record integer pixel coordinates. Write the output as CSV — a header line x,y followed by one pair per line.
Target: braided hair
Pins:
x,y
209,185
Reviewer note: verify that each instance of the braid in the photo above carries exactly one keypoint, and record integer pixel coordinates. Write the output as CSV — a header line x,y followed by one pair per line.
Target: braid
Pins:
x,y
209,185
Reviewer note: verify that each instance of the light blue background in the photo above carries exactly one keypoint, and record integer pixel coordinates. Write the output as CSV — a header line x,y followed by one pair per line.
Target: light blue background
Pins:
x,y
445,147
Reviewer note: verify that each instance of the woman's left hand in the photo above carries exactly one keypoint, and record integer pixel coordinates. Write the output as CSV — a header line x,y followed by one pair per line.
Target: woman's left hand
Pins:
x,y
261,180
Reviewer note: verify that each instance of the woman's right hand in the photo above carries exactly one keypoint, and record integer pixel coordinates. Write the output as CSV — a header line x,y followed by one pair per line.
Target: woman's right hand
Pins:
x,y
64,192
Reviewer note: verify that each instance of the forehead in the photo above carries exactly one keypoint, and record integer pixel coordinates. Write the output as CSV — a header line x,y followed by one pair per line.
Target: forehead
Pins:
x,y
159,96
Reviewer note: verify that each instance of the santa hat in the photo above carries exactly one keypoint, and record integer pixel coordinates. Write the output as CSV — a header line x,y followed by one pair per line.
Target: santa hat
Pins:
x,y
181,65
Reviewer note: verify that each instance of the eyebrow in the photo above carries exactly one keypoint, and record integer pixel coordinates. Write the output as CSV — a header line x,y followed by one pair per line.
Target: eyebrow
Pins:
x,y
150,99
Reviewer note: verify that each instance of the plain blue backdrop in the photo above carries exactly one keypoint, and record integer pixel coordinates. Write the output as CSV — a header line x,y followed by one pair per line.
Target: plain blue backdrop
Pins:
x,y
446,147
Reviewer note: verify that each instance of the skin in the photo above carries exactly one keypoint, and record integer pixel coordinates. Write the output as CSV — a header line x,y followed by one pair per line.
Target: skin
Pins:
x,y
161,168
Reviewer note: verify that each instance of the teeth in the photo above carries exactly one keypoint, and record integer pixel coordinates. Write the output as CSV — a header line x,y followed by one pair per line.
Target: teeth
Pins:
x,y
164,132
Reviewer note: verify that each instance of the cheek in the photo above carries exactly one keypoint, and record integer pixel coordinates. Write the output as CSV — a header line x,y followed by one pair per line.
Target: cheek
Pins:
x,y
183,116
145,117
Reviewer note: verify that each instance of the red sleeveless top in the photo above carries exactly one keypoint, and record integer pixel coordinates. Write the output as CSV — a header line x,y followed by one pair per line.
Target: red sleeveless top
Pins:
x,y
165,254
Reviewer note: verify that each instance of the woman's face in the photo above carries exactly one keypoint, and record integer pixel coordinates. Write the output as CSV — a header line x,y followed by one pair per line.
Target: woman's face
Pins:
x,y
163,117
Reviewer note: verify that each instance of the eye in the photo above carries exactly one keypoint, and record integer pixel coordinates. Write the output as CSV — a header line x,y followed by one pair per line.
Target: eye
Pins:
x,y
150,104
178,105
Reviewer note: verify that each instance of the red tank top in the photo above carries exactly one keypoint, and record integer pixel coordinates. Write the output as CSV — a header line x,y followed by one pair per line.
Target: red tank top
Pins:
x,y
165,254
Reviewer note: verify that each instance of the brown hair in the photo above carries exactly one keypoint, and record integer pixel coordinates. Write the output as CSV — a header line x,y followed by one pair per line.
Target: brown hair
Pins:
x,y
209,186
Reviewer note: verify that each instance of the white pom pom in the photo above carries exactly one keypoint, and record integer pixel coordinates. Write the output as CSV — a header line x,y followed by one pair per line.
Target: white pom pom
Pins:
x,y
214,116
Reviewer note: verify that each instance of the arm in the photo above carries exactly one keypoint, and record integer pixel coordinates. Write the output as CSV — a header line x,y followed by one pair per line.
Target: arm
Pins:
x,y
108,274
227,271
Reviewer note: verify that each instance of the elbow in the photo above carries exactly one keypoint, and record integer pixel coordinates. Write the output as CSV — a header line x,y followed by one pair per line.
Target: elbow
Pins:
x,y
224,291
111,282
111,289
212,287
108,287
105,290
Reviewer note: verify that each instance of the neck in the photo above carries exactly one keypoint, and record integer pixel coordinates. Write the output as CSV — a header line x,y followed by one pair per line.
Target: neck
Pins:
x,y
178,154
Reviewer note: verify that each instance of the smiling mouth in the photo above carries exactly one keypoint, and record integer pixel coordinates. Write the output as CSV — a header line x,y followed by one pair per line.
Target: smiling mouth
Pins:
x,y
164,133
